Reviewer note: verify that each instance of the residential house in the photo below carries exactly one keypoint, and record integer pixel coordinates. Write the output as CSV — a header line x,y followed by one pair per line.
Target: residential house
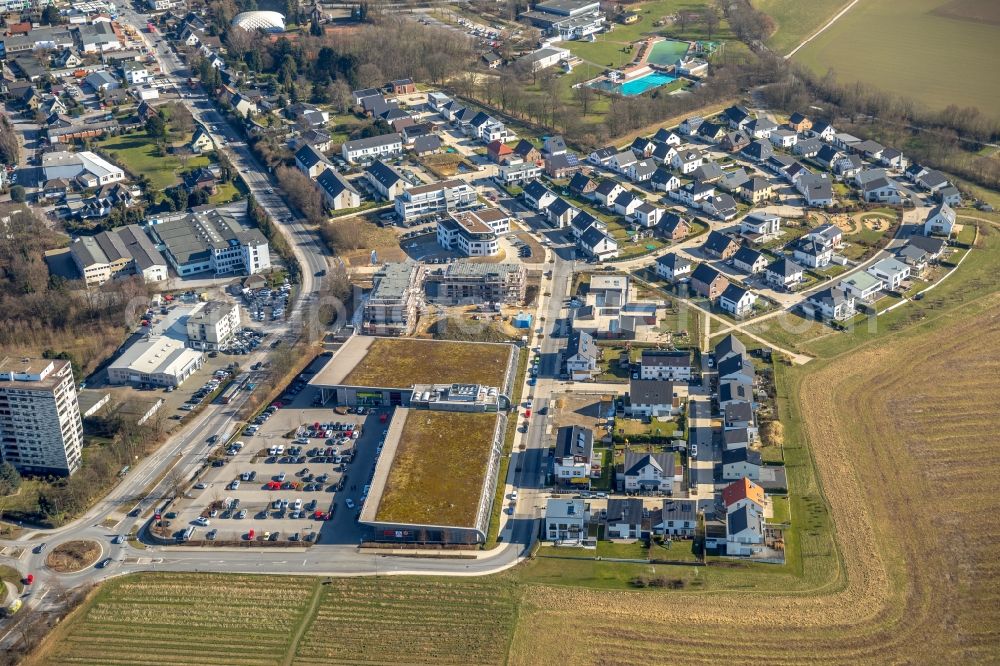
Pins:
x,y
584,221
734,142
728,347
673,227
862,286
757,190
881,190
744,532
893,158
554,145
737,117
694,193
828,235
816,189
609,290
690,125
566,520
659,365
642,147
201,142
914,257
749,260
934,247
732,181
741,462
784,274
668,137
810,253
500,153
627,202
647,215
310,161
537,196
574,462
737,368
201,178
676,518
623,519
782,138
832,303
582,355
338,193
807,147
621,162
583,185
758,151
562,165
560,212
641,171
940,221
708,282
891,271
848,166
598,244
607,191
517,173
744,493
651,398
371,148
932,181
672,266
709,172
646,473
761,128
663,153
385,180
686,161
731,391
760,227
602,156
799,122
949,195
739,415
720,246
737,301
710,132
664,181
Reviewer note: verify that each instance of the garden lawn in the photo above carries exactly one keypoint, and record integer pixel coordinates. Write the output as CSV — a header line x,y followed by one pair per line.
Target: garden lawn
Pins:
x,y
138,154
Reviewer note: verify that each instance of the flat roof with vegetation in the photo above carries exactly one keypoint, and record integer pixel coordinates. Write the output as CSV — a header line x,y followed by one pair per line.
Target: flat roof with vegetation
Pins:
x,y
439,469
403,362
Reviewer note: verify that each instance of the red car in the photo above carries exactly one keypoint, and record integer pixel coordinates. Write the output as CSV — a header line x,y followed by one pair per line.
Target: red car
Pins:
x,y
29,579
274,485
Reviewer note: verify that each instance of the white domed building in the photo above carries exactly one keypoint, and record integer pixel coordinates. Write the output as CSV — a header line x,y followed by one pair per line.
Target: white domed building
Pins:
x,y
266,21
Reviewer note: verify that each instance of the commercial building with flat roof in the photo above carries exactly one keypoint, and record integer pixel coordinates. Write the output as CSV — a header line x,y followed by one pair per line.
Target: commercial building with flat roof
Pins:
x,y
468,283
435,480
569,19
384,372
160,356
41,431
117,253
208,240
212,326
393,305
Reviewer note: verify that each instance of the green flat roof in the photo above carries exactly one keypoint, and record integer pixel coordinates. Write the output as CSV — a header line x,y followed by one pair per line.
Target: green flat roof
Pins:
x,y
437,474
403,362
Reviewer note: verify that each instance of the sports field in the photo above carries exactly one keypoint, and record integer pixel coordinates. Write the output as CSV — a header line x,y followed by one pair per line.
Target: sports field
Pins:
x,y
936,52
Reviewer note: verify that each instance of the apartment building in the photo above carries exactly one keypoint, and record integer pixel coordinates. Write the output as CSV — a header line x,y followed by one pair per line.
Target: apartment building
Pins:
x,y
393,305
41,431
425,200
470,234
466,283
212,326
207,240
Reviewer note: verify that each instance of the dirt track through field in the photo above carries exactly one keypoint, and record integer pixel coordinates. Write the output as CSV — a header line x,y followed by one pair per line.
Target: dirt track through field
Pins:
x,y
904,439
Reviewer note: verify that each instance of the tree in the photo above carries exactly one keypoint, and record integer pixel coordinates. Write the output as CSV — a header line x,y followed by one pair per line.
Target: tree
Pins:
x,y
584,95
156,127
10,480
711,18
17,194
10,147
50,15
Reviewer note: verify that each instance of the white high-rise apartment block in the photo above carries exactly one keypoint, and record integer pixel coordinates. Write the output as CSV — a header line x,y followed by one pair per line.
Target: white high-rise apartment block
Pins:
x,y
41,431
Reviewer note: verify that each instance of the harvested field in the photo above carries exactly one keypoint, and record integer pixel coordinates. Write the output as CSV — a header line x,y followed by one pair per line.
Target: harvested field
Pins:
x,y
397,621
183,619
73,556
913,495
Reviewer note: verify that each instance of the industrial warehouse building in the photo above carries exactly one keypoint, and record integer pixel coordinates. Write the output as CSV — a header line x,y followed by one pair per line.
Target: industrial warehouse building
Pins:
x,y
209,240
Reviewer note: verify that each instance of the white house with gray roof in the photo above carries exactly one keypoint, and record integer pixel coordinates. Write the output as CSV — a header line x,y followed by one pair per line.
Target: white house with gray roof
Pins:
x,y
373,147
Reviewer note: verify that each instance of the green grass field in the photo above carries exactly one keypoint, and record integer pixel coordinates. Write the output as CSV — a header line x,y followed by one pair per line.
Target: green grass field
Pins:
x,y
909,50
137,153
795,20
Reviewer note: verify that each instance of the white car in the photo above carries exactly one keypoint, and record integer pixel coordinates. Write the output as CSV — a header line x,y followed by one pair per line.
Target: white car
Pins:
x,y
201,520
350,504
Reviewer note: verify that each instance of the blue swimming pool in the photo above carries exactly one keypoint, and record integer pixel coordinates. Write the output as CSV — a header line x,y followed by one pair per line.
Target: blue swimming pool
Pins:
x,y
644,83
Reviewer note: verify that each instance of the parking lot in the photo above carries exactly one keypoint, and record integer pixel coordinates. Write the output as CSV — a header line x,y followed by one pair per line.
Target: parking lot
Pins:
x,y
300,474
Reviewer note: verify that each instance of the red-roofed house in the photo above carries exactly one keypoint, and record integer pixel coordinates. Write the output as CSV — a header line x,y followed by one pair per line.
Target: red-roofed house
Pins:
x,y
743,493
499,152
